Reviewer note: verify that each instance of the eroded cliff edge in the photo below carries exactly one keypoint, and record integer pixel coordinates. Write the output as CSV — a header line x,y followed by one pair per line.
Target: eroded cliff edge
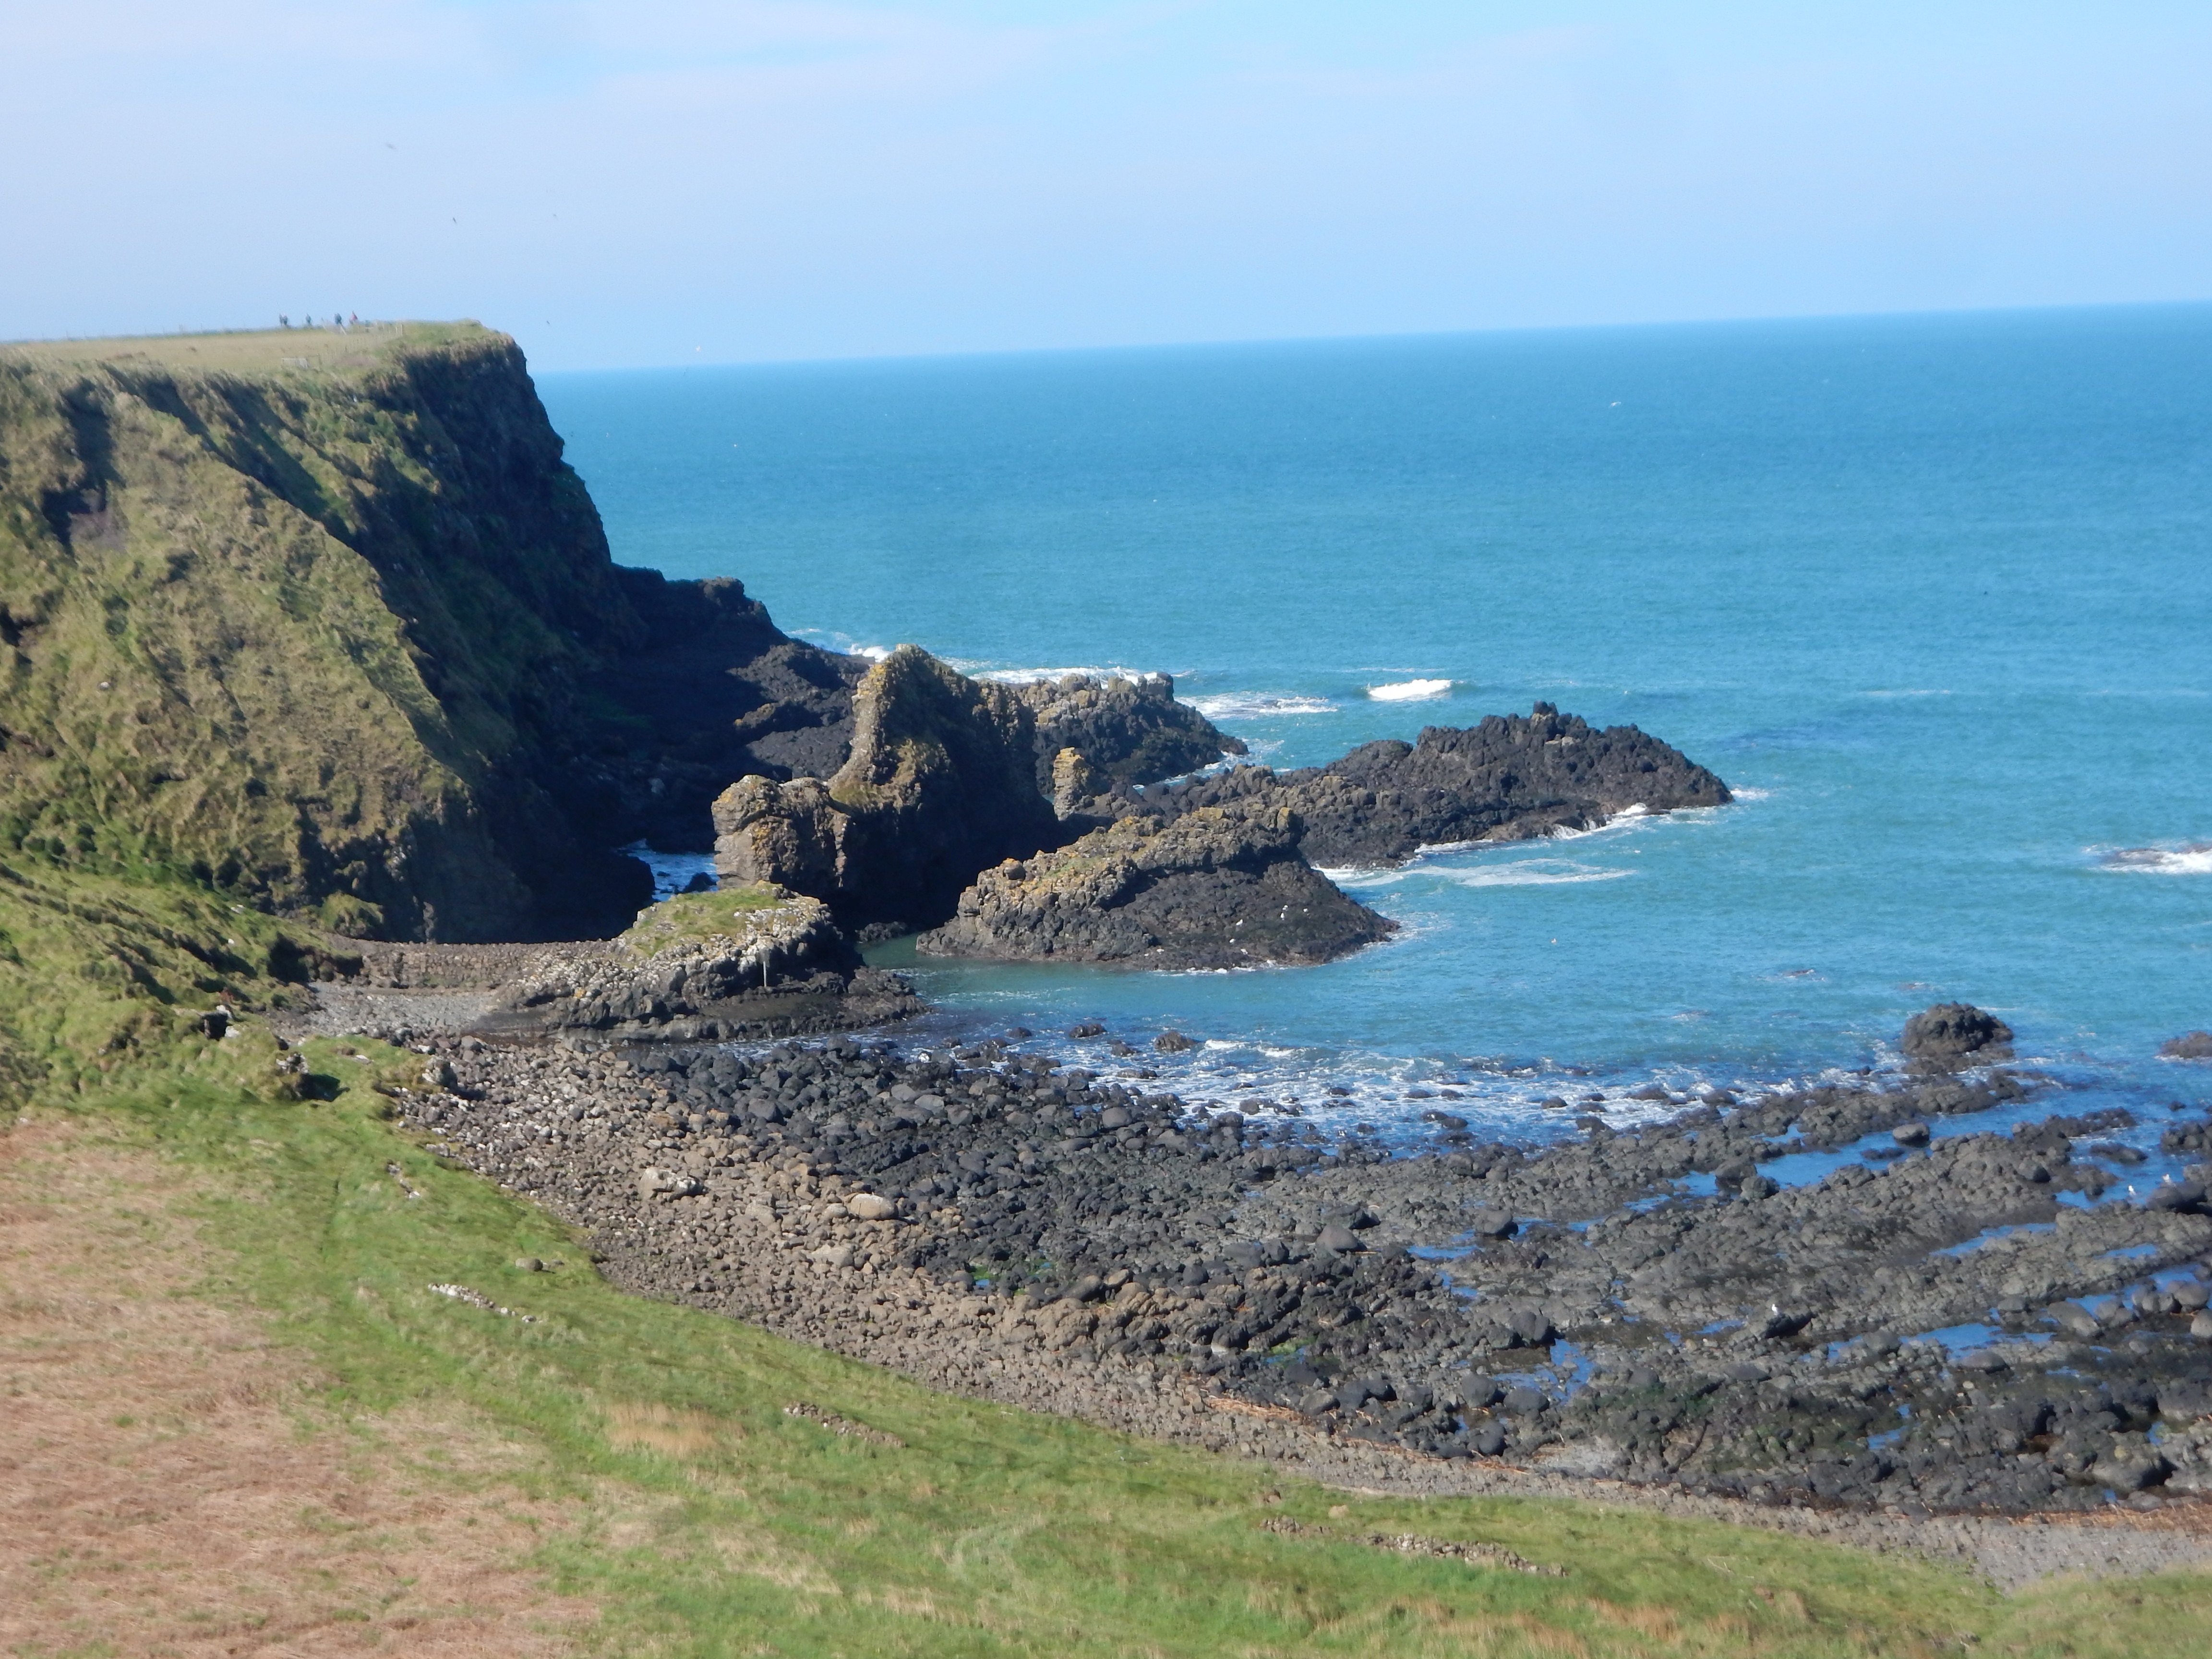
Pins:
x,y
340,635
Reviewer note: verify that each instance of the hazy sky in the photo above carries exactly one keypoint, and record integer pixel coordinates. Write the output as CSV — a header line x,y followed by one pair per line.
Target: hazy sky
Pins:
x,y
655,181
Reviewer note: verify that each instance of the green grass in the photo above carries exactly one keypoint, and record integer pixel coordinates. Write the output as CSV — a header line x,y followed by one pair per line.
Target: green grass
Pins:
x,y
993,1531
692,916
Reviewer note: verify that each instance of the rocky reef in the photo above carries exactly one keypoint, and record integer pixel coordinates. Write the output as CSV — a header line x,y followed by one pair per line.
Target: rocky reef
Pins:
x,y
1221,887
1639,1302
1509,778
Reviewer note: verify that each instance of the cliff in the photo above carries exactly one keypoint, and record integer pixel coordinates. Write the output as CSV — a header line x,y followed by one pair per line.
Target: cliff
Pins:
x,y
327,623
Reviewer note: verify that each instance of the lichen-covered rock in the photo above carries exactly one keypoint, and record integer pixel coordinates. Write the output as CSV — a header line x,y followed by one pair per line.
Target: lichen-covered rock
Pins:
x,y
749,959
1222,887
1129,730
940,783
1507,779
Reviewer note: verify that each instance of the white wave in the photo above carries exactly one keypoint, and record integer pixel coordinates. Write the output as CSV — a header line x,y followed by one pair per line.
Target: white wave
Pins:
x,y
2192,858
1409,690
1259,705
844,644
1751,795
1628,814
1031,676
1533,873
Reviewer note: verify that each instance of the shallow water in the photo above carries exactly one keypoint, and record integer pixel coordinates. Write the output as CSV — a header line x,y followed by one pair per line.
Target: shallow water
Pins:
x,y
1931,593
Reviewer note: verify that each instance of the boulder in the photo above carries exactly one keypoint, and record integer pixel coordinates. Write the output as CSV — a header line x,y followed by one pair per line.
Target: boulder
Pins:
x,y
1952,1034
1224,887
871,1206
756,961
2189,1045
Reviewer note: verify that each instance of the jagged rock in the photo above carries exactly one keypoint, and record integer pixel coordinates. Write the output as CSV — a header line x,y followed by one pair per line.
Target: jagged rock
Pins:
x,y
2189,1045
758,959
1955,1033
1128,730
1223,887
940,783
1509,778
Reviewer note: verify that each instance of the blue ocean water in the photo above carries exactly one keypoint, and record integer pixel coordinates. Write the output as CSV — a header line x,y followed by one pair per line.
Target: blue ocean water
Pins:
x,y
1934,594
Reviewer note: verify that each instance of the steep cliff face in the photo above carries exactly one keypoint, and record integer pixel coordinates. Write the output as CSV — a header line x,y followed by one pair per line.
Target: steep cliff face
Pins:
x,y
940,782
339,633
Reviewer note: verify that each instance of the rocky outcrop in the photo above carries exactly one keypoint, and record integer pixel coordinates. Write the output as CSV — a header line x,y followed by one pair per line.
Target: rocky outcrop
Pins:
x,y
2189,1045
1221,887
1956,1034
998,1222
1128,730
1510,778
751,962
940,783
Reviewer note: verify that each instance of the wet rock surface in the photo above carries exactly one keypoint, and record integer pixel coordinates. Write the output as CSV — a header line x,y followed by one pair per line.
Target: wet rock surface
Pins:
x,y
1222,887
1957,1327
1509,778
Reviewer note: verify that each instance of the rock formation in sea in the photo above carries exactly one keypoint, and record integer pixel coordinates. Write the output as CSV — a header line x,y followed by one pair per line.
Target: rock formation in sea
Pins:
x,y
1221,887
1128,730
940,782
1956,1034
1509,778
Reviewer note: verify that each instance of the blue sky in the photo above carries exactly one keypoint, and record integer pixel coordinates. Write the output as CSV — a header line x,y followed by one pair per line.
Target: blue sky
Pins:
x,y
658,181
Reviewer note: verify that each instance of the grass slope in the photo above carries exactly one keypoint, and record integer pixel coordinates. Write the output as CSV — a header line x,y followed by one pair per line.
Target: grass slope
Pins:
x,y
304,615
708,1521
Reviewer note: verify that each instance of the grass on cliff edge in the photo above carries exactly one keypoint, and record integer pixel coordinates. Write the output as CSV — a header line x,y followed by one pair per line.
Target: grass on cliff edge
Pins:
x,y
992,1531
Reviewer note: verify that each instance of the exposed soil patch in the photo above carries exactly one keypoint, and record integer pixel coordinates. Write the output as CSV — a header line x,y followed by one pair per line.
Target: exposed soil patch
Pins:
x,y
166,1484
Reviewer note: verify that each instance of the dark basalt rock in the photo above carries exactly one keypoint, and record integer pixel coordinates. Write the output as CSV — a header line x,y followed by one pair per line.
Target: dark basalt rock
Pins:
x,y
1022,1224
2189,1045
1956,1034
1509,778
1127,731
1223,887
940,783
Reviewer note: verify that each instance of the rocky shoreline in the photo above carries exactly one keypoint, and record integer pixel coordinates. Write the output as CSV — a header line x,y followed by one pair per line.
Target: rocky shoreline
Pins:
x,y
1632,1311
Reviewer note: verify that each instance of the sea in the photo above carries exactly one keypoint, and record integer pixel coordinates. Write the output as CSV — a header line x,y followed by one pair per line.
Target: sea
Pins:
x,y
1933,593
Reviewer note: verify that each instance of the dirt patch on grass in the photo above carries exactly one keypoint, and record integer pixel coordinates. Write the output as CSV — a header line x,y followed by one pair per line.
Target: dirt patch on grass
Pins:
x,y
168,1484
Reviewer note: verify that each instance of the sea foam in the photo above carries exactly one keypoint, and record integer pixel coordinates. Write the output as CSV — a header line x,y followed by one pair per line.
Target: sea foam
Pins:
x,y
1409,690
1259,705
2192,858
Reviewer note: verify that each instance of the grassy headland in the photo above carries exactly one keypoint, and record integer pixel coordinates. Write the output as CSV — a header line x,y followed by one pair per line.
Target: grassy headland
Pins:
x,y
282,641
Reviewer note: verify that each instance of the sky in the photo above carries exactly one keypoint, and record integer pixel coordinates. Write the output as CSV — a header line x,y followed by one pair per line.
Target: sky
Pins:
x,y
643,182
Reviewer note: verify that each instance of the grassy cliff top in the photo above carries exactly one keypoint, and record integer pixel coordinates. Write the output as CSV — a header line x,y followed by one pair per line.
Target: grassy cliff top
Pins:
x,y
251,352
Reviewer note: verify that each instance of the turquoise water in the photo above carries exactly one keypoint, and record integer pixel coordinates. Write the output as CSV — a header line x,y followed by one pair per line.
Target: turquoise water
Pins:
x,y
1933,594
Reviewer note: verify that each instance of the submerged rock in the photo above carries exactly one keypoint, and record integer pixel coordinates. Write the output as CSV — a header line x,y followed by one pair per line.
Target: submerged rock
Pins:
x,y
1222,887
